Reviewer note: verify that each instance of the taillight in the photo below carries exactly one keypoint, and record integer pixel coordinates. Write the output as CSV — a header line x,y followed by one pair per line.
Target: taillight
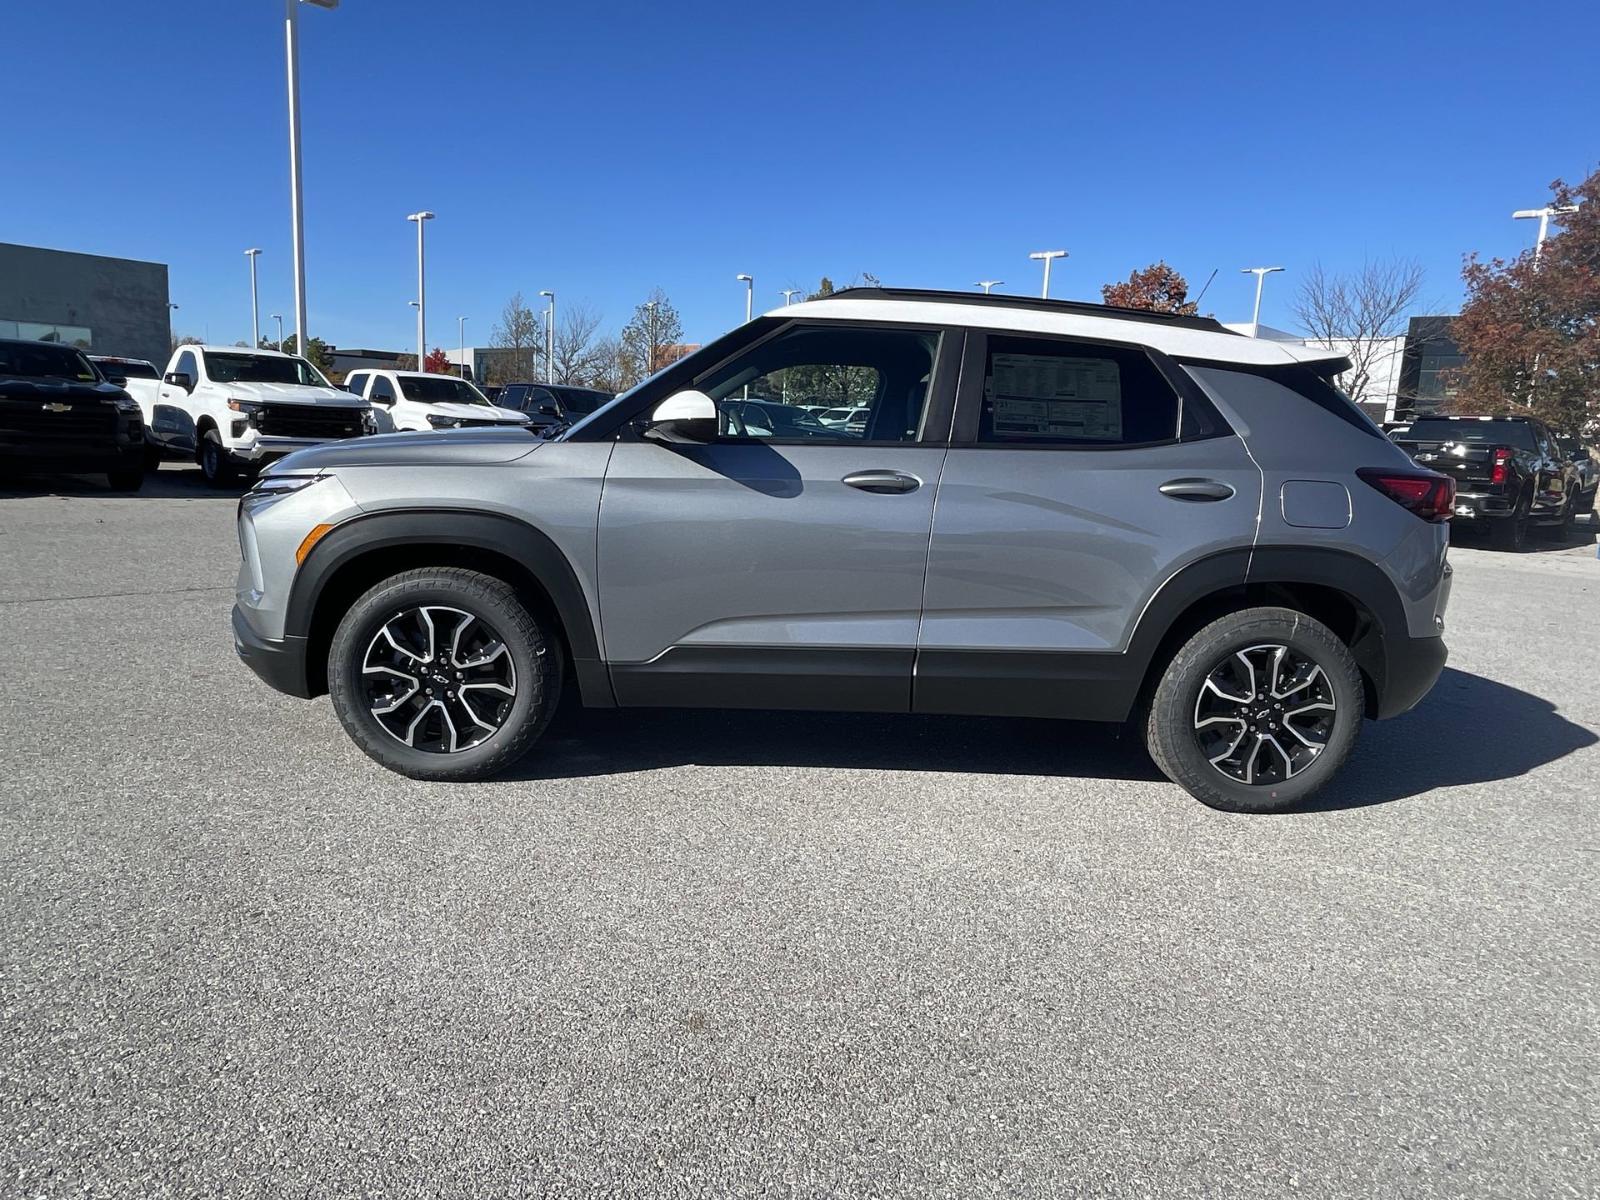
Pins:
x,y
1501,470
1428,494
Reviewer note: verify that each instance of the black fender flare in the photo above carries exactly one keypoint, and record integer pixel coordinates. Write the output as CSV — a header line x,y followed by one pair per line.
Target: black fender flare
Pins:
x,y
1362,580
529,547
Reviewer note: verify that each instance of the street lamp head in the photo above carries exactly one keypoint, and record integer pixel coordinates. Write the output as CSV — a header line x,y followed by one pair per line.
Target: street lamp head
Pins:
x,y
1258,270
420,216
275,316
745,278
322,3
253,252
550,295
1048,254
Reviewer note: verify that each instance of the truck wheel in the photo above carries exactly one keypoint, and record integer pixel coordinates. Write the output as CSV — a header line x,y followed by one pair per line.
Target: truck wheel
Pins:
x,y
1510,533
443,673
152,458
215,464
1257,711
126,479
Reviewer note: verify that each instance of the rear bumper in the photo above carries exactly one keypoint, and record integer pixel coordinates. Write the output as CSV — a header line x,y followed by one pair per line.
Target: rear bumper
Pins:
x,y
1480,506
1411,667
280,664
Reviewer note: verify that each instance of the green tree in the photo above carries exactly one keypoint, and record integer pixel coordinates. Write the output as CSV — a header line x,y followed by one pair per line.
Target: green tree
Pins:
x,y
317,351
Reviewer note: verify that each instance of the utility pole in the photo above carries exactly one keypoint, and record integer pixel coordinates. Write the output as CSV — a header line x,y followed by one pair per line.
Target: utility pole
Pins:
x,y
987,284
789,294
1048,256
255,305
461,338
1261,274
291,42
421,218
1543,214
278,317
550,339
650,339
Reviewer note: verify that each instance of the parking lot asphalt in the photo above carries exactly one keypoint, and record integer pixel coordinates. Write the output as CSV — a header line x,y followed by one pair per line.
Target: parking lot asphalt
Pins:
x,y
770,954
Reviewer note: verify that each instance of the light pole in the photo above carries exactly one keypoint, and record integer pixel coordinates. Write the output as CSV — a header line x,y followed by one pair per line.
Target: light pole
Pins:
x,y
255,307
650,339
1048,256
1261,274
278,317
422,289
1543,214
749,295
986,284
550,339
461,337
291,41
789,294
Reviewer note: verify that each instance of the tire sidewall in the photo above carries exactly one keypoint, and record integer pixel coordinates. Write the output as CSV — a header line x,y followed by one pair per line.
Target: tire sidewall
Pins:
x,y
1173,714
537,666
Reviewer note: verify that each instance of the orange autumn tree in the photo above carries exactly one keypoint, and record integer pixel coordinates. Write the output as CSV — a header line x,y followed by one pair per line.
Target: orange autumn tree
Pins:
x,y
1157,287
437,364
1530,330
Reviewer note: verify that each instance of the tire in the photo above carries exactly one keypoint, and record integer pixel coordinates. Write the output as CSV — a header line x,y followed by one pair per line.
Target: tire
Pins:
x,y
1511,533
531,664
215,462
152,459
126,479
1243,645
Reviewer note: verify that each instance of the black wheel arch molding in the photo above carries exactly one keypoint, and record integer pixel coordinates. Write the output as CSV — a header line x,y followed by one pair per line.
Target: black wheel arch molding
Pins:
x,y
338,567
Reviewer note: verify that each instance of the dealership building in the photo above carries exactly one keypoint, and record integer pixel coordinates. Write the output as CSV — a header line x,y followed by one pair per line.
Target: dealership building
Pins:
x,y
103,305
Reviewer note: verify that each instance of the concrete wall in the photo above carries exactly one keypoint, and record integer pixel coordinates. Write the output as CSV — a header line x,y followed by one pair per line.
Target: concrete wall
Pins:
x,y
121,302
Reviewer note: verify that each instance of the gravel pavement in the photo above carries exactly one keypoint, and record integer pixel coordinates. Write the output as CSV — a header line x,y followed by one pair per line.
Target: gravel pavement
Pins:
x,y
758,954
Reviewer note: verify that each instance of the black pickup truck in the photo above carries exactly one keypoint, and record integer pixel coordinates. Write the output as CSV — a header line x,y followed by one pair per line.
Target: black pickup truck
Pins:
x,y
1510,474
57,413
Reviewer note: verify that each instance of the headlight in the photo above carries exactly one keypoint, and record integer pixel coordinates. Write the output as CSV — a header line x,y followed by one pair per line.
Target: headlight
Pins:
x,y
127,404
244,406
369,421
269,489
439,421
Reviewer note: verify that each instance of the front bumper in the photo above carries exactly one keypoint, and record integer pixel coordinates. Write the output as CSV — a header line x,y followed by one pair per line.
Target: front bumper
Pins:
x,y
281,664
275,447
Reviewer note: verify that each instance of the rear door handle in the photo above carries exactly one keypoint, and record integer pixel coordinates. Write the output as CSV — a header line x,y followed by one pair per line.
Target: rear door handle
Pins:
x,y
1196,489
886,483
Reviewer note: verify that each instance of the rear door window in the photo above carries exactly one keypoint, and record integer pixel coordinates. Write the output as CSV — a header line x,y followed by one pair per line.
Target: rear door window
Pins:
x,y
1053,392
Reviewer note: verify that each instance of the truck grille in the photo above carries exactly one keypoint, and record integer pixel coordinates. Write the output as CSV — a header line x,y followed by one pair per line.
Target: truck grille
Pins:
x,y
308,421
34,419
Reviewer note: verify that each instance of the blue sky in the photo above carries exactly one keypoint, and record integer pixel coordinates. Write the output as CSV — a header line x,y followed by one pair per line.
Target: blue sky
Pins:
x,y
602,149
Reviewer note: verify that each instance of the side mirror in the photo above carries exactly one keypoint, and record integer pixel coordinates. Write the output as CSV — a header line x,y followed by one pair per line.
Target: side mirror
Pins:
x,y
686,416
549,410
180,379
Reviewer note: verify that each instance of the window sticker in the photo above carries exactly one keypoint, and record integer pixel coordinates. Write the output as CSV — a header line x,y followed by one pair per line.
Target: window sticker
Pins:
x,y
1046,396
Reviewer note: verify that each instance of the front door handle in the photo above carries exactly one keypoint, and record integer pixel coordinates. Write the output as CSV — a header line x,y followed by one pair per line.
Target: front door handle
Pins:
x,y
1196,489
885,483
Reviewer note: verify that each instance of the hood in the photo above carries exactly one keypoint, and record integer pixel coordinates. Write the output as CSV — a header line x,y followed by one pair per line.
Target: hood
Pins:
x,y
62,391
476,412
450,447
293,393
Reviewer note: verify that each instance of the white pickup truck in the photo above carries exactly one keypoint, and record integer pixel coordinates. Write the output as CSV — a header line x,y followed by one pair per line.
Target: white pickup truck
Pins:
x,y
415,400
233,409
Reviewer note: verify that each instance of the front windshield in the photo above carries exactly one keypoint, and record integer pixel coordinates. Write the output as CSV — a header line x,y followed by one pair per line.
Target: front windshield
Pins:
x,y
41,361
440,389
244,367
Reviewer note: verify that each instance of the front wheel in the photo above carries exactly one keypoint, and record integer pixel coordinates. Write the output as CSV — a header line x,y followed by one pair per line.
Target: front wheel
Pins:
x,y
1257,711
126,479
443,673
216,464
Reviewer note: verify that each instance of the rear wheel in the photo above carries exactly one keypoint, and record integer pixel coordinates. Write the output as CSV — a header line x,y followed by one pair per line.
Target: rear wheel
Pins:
x,y
1511,533
126,479
443,673
1257,711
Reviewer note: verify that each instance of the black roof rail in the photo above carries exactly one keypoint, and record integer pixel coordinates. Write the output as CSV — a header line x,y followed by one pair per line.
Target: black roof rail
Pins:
x,y
1082,308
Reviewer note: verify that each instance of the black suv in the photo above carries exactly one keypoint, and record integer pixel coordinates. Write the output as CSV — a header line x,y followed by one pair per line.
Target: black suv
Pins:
x,y
551,406
58,413
1510,472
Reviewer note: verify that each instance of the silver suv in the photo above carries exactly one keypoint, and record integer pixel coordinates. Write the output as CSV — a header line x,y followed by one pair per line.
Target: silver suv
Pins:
x,y
1045,509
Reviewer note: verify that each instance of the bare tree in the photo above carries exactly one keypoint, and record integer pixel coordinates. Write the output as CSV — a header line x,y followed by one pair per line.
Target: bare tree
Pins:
x,y
648,337
576,351
1361,314
609,369
520,334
